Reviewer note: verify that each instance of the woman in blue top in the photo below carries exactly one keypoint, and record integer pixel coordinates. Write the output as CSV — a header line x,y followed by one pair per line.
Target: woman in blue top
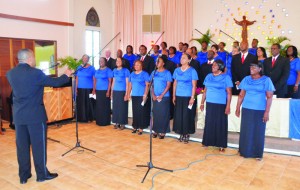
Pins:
x,y
173,56
84,86
139,88
235,51
129,55
294,78
162,79
184,88
261,54
102,90
217,94
256,96
119,95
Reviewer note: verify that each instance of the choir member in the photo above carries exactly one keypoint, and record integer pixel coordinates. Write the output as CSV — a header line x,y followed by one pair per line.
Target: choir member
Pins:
x,y
202,55
261,54
155,52
148,61
84,87
294,78
254,45
217,94
125,62
184,87
110,61
139,88
162,80
235,51
163,46
130,56
102,89
173,57
206,68
119,95
256,99
222,52
277,68
215,49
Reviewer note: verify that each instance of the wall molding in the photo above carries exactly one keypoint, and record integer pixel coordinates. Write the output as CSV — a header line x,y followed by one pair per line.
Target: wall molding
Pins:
x,y
2,15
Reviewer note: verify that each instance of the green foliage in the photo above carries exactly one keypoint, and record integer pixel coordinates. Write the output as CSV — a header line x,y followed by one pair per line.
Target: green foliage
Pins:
x,y
279,40
205,37
69,61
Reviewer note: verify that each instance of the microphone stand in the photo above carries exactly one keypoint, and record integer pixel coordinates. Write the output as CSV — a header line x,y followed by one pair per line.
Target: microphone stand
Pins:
x,y
150,163
77,145
156,42
228,35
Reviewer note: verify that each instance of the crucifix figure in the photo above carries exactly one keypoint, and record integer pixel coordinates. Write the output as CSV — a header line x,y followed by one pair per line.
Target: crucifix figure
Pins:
x,y
244,24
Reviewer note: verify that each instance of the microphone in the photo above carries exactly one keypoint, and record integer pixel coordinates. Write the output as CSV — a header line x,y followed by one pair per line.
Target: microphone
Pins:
x,y
53,66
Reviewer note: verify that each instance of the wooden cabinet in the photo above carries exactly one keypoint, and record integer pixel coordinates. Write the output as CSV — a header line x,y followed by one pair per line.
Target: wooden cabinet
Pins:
x,y
58,103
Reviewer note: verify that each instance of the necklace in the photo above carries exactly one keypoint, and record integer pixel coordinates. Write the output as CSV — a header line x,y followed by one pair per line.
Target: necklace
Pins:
x,y
184,69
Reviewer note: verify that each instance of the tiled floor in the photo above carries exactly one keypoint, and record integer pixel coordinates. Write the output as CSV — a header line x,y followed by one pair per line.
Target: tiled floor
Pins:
x,y
113,166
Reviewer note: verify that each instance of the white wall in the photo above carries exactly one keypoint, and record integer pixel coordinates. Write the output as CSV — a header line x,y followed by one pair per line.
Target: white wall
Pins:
x,y
104,9
213,15
52,10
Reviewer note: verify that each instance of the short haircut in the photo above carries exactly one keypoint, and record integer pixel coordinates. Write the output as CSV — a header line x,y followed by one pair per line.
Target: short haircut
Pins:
x,y
174,48
186,44
254,39
23,54
220,64
215,46
180,43
143,46
204,42
223,43
165,43
278,45
194,47
105,60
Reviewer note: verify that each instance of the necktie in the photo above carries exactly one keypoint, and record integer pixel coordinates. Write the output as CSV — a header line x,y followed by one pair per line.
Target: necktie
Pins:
x,y
243,58
142,58
273,62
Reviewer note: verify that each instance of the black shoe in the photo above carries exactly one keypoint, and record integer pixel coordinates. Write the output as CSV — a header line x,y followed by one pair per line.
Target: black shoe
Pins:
x,y
134,131
25,181
154,135
115,126
48,177
180,139
161,136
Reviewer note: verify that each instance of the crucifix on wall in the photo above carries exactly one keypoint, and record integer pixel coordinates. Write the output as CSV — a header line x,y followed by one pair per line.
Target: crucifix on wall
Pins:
x,y
244,24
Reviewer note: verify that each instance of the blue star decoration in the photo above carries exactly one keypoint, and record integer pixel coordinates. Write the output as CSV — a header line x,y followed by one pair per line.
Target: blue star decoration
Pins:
x,y
273,16
271,10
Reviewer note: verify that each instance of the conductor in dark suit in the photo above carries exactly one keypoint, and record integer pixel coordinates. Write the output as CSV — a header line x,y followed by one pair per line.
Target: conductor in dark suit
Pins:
x,y
240,66
29,114
278,69
148,61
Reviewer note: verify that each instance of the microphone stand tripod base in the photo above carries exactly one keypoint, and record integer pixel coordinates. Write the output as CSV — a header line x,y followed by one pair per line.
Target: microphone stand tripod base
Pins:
x,y
150,166
78,146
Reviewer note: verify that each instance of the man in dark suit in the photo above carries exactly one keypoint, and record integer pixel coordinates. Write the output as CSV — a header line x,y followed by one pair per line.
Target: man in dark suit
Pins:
x,y
196,65
206,67
110,61
240,66
278,69
29,114
125,62
148,61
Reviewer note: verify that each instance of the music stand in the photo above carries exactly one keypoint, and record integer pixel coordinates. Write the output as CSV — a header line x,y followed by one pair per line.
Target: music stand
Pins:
x,y
150,163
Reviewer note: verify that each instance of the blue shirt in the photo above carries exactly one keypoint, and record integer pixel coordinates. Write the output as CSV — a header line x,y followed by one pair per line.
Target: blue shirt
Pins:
x,y
154,57
216,88
102,78
120,79
131,58
184,81
202,57
256,89
138,83
85,77
175,59
179,54
253,51
160,82
295,67
228,65
223,56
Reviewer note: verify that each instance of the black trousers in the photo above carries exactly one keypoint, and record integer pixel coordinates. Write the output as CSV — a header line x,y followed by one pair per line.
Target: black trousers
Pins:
x,y
36,136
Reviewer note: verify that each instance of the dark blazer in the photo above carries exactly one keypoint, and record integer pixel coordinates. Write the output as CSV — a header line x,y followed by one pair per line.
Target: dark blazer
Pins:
x,y
126,64
111,63
278,74
170,66
240,70
205,69
148,64
196,65
28,88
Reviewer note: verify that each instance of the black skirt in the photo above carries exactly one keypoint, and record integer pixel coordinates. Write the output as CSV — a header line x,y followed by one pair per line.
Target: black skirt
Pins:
x,y
161,115
184,118
216,126
291,93
120,108
140,114
85,105
252,135
102,111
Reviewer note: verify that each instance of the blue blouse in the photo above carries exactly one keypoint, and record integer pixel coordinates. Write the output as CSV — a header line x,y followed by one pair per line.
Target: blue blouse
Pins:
x,y
256,89
160,82
216,88
228,65
202,57
120,79
184,81
102,78
223,56
175,59
85,77
138,82
253,51
131,58
295,67
154,57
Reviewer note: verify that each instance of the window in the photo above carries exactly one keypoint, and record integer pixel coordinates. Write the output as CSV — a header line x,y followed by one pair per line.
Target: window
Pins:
x,y
92,46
